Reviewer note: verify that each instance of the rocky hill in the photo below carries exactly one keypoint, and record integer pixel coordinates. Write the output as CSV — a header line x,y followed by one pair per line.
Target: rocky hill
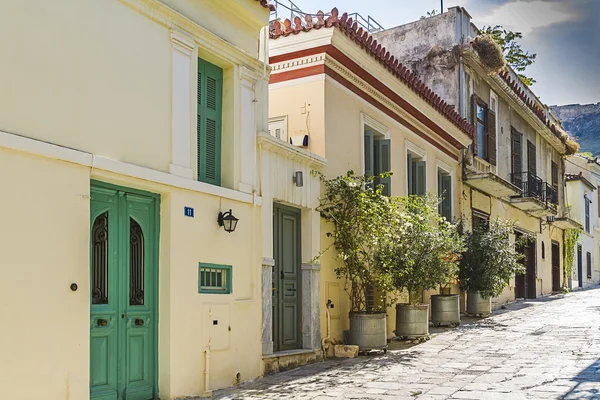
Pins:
x,y
583,122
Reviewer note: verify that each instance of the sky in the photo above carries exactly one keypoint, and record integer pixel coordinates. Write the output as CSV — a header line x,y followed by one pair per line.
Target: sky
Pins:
x,y
565,35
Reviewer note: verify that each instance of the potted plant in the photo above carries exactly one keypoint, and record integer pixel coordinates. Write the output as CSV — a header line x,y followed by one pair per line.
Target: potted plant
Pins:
x,y
488,264
358,213
421,254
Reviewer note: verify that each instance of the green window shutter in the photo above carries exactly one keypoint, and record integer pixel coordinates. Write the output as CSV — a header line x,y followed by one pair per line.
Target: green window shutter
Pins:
x,y
383,163
369,156
210,115
447,195
420,178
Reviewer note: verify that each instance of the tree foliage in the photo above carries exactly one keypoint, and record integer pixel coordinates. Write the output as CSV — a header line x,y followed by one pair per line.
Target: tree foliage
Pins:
x,y
422,249
516,57
490,260
359,215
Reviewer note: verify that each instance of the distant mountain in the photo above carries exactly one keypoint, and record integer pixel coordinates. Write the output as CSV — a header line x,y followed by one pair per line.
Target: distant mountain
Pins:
x,y
583,122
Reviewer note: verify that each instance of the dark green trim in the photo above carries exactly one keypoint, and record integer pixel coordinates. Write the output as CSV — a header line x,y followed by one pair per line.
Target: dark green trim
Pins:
x,y
228,279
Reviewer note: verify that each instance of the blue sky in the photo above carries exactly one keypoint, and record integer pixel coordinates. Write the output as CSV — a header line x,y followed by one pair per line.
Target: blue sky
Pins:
x,y
565,34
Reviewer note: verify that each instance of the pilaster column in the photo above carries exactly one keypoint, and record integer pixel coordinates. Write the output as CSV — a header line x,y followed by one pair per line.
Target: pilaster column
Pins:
x,y
267,305
248,131
311,321
181,110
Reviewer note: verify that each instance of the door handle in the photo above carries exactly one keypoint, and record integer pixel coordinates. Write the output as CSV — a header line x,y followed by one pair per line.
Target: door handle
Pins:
x,y
102,322
139,322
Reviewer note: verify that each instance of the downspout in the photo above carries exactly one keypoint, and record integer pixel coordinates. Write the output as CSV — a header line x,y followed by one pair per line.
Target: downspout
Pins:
x,y
327,339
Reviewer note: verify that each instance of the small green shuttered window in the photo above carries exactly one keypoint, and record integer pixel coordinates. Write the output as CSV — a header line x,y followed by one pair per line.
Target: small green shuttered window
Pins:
x,y
214,278
210,114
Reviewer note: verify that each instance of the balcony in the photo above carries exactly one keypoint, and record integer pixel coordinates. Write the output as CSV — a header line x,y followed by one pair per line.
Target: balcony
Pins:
x,y
537,198
567,223
481,175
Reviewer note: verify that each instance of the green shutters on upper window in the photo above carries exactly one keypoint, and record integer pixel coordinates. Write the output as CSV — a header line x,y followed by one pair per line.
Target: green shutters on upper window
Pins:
x,y
210,115
445,194
416,175
377,159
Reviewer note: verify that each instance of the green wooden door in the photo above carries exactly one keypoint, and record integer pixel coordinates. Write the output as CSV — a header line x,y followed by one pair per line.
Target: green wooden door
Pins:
x,y
287,311
123,256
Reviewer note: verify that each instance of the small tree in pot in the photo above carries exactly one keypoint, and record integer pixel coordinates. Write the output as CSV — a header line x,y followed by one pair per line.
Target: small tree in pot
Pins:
x,y
421,255
359,215
489,262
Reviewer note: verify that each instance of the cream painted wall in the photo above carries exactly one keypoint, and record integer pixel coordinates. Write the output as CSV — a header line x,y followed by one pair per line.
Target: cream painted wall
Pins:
x,y
100,83
45,247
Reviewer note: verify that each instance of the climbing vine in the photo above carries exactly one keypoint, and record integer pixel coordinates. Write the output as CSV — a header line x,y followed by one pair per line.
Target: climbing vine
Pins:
x,y
571,237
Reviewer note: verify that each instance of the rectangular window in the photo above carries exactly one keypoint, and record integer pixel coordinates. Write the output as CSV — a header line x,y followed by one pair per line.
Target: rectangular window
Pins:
x,y
531,158
377,152
445,194
481,220
278,128
587,214
484,120
214,278
516,158
481,132
209,102
416,175
589,265
554,175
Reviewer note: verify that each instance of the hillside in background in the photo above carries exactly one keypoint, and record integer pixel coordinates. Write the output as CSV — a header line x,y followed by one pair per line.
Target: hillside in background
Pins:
x,y
583,122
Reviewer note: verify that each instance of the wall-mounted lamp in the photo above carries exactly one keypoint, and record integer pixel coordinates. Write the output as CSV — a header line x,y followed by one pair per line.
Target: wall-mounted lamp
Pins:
x,y
227,221
298,179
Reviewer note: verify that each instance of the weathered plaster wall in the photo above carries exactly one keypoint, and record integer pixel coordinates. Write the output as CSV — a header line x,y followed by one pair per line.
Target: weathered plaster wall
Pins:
x,y
428,48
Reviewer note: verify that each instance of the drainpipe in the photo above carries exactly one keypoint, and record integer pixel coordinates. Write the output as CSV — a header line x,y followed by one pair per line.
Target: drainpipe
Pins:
x,y
328,338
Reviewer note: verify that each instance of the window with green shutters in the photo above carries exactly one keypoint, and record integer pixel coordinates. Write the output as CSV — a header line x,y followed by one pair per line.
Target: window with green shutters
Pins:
x,y
416,172
445,194
210,115
377,158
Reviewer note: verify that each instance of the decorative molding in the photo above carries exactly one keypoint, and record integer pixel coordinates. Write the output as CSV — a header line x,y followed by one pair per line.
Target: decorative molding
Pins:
x,y
413,148
268,262
311,267
299,62
100,164
182,42
373,123
208,41
290,152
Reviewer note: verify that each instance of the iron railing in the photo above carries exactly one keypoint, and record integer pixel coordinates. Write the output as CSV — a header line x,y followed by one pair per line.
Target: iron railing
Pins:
x,y
530,185
551,194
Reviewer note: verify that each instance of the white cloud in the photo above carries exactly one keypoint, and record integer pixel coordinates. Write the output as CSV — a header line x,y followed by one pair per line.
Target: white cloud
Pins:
x,y
526,16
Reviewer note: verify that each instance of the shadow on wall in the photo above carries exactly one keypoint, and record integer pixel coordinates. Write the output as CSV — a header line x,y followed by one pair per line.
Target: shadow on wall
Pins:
x,y
586,384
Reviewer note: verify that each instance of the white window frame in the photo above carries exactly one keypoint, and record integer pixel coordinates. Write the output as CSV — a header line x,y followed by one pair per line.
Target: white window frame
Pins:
x,y
284,121
494,100
366,120
410,147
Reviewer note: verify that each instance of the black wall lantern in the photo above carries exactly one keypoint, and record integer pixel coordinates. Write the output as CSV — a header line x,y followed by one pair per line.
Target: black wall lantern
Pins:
x,y
227,221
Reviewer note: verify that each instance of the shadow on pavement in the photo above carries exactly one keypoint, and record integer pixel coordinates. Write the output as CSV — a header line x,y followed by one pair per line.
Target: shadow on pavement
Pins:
x,y
587,384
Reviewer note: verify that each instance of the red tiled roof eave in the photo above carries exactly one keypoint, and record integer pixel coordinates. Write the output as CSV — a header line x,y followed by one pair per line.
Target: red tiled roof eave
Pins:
x,y
266,4
351,29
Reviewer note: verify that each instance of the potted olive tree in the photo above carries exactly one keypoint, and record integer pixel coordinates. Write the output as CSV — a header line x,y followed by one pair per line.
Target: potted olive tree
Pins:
x,y
358,214
420,255
488,264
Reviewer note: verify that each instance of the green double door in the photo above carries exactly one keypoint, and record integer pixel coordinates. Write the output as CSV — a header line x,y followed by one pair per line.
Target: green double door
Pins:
x,y
123,257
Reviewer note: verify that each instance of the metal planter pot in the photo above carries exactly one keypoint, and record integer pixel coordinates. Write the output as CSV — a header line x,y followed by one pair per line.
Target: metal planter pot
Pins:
x,y
412,320
478,305
367,331
445,309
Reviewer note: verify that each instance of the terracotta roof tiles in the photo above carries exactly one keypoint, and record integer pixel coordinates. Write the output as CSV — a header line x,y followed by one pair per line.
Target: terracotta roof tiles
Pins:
x,y
351,29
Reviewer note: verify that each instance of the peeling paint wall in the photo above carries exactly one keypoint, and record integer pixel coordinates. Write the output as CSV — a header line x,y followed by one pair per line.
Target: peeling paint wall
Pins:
x,y
429,48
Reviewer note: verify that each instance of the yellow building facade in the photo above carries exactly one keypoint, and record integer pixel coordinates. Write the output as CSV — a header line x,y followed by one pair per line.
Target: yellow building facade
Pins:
x,y
126,128
338,96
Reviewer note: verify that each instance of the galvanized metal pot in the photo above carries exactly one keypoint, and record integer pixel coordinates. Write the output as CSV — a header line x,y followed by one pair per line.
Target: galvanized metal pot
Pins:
x,y
445,309
367,331
412,320
476,304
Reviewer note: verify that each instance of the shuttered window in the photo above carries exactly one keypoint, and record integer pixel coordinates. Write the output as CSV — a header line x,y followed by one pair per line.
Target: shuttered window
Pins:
x,y
587,214
589,265
531,158
516,157
210,115
484,120
416,175
445,194
554,175
377,159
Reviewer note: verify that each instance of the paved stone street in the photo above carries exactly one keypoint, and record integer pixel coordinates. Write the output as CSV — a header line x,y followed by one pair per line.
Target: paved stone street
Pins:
x,y
547,348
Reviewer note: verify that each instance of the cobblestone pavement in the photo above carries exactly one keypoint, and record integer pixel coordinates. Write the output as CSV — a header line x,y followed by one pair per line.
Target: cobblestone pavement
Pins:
x,y
547,348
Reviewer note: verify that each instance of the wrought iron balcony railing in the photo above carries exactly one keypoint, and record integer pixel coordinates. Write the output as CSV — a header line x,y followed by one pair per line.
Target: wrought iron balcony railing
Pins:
x,y
530,185
551,195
